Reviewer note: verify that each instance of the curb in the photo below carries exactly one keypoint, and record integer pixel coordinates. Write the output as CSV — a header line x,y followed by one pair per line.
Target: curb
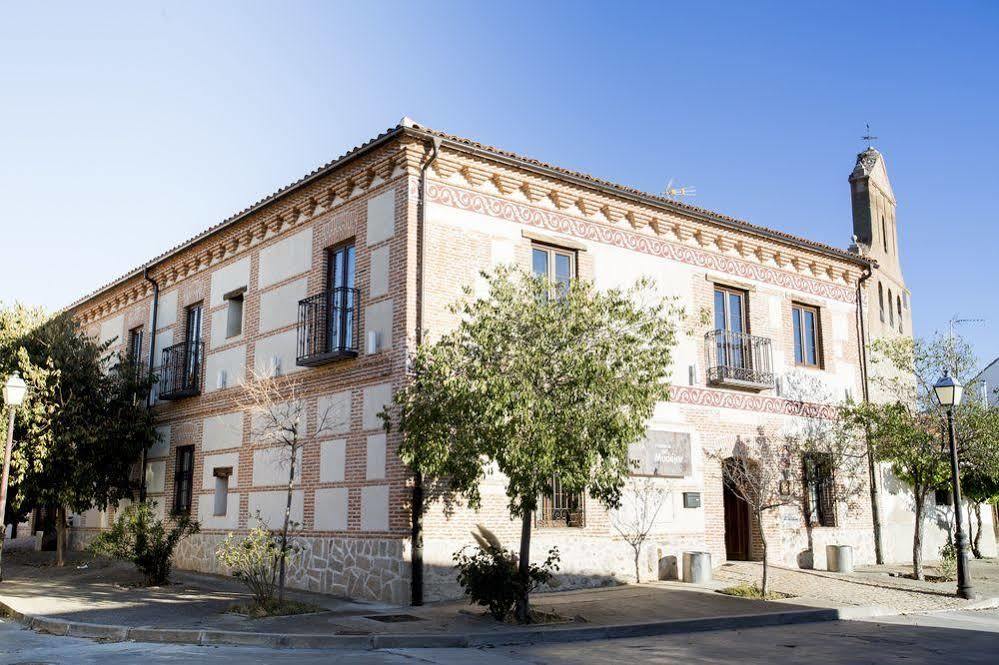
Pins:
x,y
114,633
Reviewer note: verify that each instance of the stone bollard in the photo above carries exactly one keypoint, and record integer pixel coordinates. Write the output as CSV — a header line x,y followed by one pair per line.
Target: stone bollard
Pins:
x,y
697,567
839,558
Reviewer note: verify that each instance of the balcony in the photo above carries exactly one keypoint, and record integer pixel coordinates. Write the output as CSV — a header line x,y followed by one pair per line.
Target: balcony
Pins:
x,y
328,327
180,370
739,360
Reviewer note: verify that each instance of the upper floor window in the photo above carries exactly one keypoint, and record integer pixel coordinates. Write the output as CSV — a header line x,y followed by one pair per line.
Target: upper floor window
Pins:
x,y
555,264
891,311
234,314
805,330
884,233
135,344
898,303
881,301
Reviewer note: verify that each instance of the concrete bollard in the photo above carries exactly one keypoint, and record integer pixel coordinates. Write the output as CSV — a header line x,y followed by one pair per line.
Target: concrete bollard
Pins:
x,y
697,567
839,558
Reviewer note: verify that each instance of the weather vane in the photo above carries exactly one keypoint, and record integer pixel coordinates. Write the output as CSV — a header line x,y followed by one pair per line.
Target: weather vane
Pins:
x,y
869,137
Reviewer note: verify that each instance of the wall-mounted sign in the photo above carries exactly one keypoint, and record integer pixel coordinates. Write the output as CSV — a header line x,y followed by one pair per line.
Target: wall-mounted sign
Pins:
x,y
662,454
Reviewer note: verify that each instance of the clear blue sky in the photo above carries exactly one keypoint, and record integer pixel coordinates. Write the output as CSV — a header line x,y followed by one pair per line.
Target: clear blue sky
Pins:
x,y
128,128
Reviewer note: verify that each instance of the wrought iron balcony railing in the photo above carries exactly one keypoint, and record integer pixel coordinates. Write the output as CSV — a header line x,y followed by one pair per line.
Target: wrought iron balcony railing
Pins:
x,y
328,327
739,360
180,371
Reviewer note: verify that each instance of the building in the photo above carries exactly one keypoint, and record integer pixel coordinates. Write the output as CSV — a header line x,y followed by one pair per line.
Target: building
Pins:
x,y
985,386
328,281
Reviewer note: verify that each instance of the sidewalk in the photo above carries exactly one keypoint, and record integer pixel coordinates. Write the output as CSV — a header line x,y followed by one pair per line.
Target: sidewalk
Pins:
x,y
92,597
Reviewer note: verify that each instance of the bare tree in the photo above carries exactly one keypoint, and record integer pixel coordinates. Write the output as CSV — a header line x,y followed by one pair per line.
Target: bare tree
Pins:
x,y
635,522
758,472
279,417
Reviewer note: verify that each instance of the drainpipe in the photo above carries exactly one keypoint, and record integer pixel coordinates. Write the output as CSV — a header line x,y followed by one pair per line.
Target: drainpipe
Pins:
x,y
152,359
416,534
871,467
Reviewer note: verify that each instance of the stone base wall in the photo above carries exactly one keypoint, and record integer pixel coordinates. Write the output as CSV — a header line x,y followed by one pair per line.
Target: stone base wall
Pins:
x,y
364,569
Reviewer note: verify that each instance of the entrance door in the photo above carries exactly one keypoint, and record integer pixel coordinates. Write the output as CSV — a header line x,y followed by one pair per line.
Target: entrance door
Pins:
x,y
737,527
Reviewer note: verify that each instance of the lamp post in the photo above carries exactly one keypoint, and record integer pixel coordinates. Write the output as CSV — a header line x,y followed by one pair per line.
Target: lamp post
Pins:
x,y
948,393
14,390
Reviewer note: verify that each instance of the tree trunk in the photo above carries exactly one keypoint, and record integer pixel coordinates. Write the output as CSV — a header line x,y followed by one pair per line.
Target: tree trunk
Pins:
x,y
524,568
917,539
766,567
976,543
60,536
638,570
284,529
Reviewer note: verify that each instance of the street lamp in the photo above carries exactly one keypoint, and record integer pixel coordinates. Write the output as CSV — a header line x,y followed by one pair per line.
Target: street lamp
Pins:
x,y
948,392
14,390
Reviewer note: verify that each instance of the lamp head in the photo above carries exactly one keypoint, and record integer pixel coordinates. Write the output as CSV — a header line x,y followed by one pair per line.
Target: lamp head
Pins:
x,y
948,391
14,390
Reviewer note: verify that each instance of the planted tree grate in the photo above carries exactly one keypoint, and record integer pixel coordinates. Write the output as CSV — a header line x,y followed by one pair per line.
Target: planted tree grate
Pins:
x,y
394,618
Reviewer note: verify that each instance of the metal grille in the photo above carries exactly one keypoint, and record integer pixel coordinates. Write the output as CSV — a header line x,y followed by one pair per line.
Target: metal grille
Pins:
x,y
328,326
820,491
739,359
180,371
562,509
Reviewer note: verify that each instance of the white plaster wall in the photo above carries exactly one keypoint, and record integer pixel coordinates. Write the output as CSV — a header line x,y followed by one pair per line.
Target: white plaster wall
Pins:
x,y
155,476
375,457
336,409
271,505
113,329
378,318
164,338
162,446
331,509
378,275
381,217
332,458
374,508
231,277
166,314
219,323
232,361
222,431
270,466
285,258
207,517
283,346
375,399
213,462
279,306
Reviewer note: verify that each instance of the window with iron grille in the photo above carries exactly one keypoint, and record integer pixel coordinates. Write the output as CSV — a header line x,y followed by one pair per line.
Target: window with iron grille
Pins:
x,y
820,495
135,344
561,508
183,480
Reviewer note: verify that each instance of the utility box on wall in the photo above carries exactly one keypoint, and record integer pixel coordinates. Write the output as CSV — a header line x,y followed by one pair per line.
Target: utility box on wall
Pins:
x,y
691,499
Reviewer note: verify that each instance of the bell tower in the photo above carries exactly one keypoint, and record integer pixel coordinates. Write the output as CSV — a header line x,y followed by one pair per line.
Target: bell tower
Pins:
x,y
876,232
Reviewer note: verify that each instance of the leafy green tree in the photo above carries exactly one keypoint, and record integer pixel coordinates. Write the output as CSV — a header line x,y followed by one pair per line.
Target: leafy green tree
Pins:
x,y
541,383
137,535
83,423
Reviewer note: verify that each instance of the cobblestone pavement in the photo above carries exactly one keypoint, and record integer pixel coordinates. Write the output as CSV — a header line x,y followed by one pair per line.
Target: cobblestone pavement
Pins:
x,y
871,585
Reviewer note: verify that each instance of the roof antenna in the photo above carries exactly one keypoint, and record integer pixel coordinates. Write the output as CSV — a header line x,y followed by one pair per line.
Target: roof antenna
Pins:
x,y
675,191
869,137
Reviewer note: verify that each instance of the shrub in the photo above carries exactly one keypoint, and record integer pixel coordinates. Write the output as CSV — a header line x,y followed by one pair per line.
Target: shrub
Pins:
x,y
137,535
254,560
948,561
490,577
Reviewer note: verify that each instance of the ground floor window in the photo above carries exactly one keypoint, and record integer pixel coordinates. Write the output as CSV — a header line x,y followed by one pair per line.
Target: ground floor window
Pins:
x,y
820,501
561,508
183,480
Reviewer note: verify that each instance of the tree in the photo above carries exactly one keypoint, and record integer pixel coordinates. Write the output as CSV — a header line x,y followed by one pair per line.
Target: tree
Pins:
x,y
83,423
541,383
278,417
635,522
980,465
757,472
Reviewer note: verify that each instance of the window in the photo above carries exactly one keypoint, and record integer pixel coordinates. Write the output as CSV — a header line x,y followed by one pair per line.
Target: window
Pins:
x,y
340,272
558,265
135,344
943,498
820,500
891,311
881,301
731,349
805,324
898,302
222,475
234,314
561,508
183,480
884,234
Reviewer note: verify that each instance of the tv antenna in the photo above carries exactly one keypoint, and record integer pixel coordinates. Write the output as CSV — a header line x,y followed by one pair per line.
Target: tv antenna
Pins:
x,y
674,191
956,321
870,138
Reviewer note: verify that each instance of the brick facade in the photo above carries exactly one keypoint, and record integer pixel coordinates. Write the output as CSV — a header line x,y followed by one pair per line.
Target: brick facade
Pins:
x,y
483,208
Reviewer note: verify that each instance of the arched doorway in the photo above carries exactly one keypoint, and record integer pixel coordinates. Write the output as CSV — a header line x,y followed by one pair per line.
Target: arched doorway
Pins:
x,y
737,520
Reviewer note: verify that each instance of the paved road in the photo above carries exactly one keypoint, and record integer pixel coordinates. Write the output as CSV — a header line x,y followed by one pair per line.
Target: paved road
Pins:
x,y
955,637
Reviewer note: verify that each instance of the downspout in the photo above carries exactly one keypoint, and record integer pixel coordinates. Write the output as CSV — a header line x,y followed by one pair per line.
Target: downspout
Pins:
x,y
416,534
152,359
871,467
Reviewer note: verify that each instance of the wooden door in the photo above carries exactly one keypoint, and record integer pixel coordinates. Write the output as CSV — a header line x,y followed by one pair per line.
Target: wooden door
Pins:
x,y
736,526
